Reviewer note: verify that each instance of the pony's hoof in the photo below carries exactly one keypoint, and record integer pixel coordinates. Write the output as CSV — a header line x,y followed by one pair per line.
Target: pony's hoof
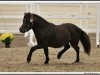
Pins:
x,y
46,62
59,56
76,62
28,59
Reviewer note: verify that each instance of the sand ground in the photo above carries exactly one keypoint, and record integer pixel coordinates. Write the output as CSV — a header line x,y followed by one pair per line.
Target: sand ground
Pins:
x,y
14,59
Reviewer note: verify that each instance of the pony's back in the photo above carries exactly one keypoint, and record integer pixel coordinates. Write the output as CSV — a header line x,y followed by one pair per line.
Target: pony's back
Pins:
x,y
73,29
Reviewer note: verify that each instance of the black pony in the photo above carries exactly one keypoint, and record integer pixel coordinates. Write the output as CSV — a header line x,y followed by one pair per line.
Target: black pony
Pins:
x,y
56,36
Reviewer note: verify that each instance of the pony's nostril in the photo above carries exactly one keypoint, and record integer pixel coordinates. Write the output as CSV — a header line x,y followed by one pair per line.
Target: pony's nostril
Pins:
x,y
21,30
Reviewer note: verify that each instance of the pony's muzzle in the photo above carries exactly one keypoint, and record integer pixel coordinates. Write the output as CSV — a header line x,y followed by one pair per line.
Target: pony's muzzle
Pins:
x,y
21,30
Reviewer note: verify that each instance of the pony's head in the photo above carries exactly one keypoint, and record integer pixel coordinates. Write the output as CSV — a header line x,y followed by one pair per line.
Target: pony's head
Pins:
x,y
27,23
30,20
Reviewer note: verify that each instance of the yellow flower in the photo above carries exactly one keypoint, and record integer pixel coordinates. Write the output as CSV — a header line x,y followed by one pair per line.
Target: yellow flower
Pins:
x,y
5,35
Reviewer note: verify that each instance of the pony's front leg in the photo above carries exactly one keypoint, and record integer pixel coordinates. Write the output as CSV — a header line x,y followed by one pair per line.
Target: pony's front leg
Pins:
x,y
46,51
31,51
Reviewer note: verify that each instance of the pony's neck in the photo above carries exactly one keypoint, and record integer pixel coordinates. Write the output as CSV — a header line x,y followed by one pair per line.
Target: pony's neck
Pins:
x,y
39,22
40,19
39,25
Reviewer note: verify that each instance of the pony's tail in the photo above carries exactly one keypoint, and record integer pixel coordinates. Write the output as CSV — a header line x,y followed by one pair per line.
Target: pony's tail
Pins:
x,y
85,42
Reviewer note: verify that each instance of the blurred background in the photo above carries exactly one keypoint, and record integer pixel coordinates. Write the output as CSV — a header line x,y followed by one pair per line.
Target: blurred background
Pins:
x,y
83,15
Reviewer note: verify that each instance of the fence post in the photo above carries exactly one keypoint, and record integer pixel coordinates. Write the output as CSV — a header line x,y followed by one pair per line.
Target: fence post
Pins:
x,y
30,33
81,15
98,26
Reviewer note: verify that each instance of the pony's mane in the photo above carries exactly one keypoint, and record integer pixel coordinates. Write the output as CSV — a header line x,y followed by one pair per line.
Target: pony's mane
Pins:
x,y
39,18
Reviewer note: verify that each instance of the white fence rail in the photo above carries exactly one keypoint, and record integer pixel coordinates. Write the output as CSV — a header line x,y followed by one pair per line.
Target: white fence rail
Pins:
x,y
36,8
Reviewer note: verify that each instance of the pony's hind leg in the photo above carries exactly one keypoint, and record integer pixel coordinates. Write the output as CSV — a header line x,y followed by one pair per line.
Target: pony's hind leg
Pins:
x,y
76,47
31,51
66,47
46,51
77,52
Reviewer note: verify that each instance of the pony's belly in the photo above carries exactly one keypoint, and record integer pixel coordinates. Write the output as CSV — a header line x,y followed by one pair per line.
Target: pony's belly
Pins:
x,y
56,44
